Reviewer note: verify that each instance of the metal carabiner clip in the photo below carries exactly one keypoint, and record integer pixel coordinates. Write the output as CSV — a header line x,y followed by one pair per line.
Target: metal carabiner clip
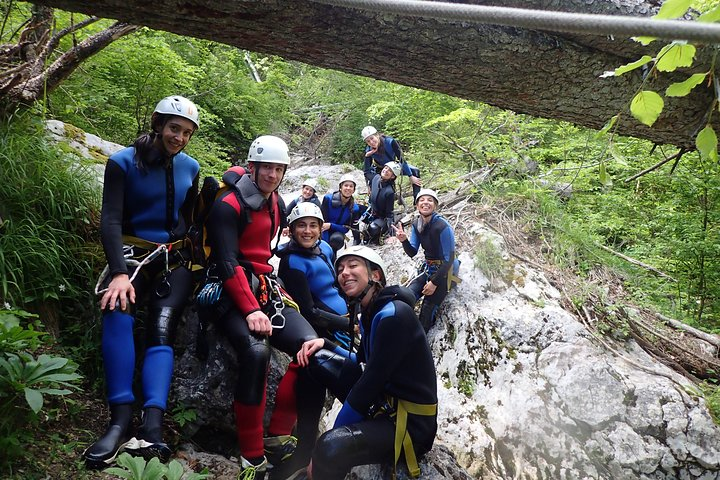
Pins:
x,y
278,305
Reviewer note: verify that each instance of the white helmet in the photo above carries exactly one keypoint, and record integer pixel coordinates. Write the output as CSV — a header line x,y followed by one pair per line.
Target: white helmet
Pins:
x,y
269,149
395,167
180,106
367,254
367,131
310,182
347,178
427,191
305,209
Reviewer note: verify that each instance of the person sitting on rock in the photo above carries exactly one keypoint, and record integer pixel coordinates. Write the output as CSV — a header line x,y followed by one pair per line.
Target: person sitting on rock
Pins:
x,y
337,209
388,389
438,273
254,312
148,194
381,149
381,215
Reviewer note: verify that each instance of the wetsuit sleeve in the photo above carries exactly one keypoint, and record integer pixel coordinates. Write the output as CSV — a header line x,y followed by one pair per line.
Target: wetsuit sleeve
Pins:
x,y
367,167
412,244
186,208
223,231
397,153
112,216
325,207
290,207
296,284
447,242
388,351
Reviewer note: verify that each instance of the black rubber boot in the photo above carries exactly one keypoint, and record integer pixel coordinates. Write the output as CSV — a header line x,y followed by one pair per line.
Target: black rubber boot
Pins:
x,y
148,442
103,452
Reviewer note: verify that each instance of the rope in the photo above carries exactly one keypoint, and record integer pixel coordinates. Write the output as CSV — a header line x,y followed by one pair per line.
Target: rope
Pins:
x,y
541,19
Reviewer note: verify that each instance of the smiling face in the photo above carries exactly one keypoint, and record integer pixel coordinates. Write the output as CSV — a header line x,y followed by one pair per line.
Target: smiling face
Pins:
x,y
373,141
307,192
353,277
347,189
267,176
306,231
175,134
426,205
387,173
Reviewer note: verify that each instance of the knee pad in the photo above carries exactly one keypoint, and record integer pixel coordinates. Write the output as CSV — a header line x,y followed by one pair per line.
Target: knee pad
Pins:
x,y
337,241
374,230
161,326
336,444
253,362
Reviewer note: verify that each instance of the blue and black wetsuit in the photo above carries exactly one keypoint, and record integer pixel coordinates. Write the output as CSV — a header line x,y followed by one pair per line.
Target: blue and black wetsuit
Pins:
x,y
440,267
340,217
152,205
398,373
388,151
382,205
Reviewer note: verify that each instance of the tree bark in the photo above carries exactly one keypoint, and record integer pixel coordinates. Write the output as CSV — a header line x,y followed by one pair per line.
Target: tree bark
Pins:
x,y
535,72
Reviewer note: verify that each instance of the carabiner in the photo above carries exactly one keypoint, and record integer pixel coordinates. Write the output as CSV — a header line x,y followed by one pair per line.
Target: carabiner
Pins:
x,y
278,305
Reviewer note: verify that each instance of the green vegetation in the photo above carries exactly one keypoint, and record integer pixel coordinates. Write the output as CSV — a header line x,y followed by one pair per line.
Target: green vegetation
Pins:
x,y
137,468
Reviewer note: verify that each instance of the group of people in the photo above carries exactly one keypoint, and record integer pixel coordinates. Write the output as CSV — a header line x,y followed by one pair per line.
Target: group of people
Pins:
x,y
329,308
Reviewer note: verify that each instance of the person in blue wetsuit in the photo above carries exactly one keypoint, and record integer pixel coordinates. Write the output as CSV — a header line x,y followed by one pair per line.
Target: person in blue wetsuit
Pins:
x,y
438,274
388,388
381,215
306,269
338,208
307,194
148,194
381,149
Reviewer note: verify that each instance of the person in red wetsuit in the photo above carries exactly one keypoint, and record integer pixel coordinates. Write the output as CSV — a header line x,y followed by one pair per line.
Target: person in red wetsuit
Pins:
x,y
251,312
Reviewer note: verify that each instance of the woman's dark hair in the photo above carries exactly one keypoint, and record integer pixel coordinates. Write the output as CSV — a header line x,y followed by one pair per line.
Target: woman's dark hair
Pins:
x,y
381,144
146,155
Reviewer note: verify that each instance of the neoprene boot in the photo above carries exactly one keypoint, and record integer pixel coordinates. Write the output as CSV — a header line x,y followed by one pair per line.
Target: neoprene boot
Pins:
x,y
148,441
103,452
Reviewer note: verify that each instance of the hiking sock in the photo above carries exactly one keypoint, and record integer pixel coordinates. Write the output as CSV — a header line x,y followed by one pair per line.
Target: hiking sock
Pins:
x,y
285,412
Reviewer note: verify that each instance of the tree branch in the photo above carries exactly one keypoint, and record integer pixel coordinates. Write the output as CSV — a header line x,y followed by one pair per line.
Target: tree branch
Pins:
x,y
677,155
637,263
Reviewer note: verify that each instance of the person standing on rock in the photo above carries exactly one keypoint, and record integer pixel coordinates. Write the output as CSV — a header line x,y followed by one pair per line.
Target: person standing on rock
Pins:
x,y
388,389
253,312
148,194
381,149
337,209
438,273
380,217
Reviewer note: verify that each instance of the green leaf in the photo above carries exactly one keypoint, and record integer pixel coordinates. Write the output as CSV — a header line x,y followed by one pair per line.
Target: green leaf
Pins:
x,y
604,177
34,399
644,40
633,65
710,16
683,88
673,9
646,107
617,155
706,143
119,472
175,470
610,123
675,55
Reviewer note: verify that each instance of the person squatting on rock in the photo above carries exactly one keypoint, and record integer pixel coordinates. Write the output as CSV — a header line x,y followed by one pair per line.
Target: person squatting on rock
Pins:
x,y
380,217
438,273
381,149
253,311
148,194
388,389
308,194
337,210
306,269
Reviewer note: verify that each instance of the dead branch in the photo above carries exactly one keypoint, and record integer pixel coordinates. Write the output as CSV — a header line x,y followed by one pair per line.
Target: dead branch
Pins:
x,y
637,263
677,156
707,337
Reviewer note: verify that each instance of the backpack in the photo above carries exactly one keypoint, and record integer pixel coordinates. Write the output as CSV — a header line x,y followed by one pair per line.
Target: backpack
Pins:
x,y
210,191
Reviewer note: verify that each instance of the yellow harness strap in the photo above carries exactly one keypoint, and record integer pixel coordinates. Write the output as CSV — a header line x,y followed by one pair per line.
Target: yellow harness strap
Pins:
x,y
148,245
403,442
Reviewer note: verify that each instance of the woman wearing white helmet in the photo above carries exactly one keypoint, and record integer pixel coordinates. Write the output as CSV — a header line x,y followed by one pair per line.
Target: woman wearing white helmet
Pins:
x,y
394,395
381,149
148,194
382,203
307,194
337,208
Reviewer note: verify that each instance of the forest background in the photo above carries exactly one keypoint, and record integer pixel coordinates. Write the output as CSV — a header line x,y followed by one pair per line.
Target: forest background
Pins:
x,y
50,255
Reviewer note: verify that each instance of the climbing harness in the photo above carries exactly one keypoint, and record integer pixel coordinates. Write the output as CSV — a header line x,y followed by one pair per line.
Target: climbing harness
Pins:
x,y
541,19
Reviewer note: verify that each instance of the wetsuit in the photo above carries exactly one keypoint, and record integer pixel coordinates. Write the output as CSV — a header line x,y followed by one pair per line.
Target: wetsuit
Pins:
x,y
241,226
388,151
153,206
438,242
339,216
382,204
314,199
398,368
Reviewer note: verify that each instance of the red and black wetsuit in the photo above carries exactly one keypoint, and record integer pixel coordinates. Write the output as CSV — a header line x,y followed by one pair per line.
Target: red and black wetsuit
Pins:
x,y
241,227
